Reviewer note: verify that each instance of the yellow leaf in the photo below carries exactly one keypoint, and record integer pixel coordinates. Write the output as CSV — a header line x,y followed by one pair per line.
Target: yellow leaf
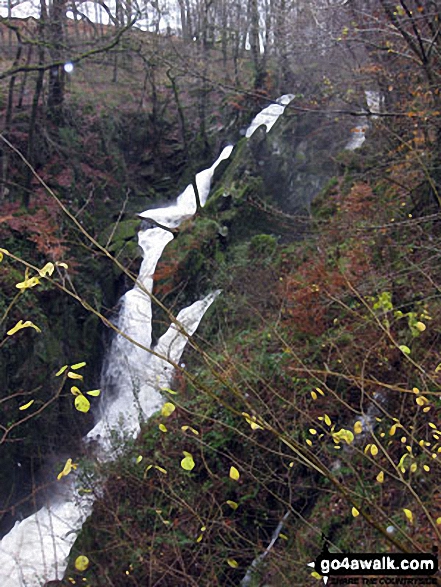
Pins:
x,y
139,459
408,514
20,325
234,474
327,420
392,430
413,467
355,512
312,431
61,371
74,390
94,392
426,468
233,563
283,536
380,477
81,563
420,326
147,469
167,409
308,442
185,428
68,467
82,404
343,434
233,505
374,450
187,463
78,365
28,283
48,269
73,375
438,521
168,390
401,463
161,470
315,575
162,427
314,395
321,392
358,427
421,400
251,420
26,406
404,349
199,538
64,265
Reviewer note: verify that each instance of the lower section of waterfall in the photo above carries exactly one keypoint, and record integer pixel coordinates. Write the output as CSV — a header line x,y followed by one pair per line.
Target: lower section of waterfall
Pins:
x,y
36,549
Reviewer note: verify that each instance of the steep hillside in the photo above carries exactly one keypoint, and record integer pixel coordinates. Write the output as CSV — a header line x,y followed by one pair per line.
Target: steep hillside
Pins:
x,y
310,401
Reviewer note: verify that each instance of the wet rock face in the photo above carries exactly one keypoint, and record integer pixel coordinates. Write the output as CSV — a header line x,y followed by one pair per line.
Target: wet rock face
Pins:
x,y
295,159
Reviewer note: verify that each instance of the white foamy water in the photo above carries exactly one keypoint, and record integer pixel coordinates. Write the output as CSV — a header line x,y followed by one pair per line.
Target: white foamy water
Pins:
x,y
373,101
185,205
269,115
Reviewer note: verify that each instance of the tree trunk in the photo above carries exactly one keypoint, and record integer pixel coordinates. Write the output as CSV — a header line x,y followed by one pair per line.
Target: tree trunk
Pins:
x,y
8,119
30,155
25,79
56,72
259,71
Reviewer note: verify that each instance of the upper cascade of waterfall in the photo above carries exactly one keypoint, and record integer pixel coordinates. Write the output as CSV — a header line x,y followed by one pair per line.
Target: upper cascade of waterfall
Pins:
x,y
269,115
185,205
374,101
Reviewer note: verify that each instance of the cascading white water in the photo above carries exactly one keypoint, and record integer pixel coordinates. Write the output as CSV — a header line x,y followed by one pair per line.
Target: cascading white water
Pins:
x,y
373,101
37,548
270,114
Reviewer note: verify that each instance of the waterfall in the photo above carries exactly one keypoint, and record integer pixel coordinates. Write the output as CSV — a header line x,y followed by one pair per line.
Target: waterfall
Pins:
x,y
36,550
269,115
374,103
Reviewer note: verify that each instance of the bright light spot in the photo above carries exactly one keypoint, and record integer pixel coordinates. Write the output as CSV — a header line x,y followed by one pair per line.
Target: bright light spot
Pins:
x,y
390,529
68,67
